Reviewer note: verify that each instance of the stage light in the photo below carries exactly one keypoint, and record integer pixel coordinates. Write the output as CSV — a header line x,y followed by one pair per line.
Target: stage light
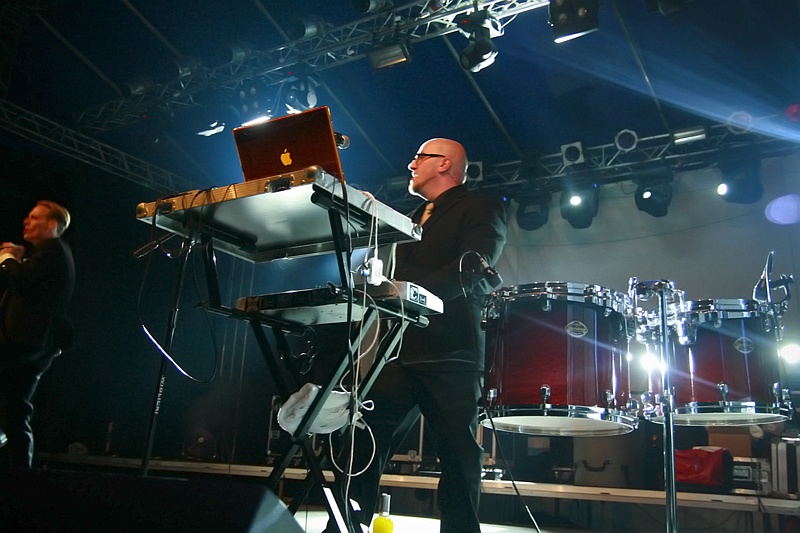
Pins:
x,y
572,153
741,181
298,28
790,353
689,135
532,214
572,18
579,204
370,6
391,54
653,198
626,140
739,123
480,28
302,96
474,171
186,66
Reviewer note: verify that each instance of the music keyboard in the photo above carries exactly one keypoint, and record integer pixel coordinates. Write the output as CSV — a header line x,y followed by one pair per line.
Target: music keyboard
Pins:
x,y
328,305
279,216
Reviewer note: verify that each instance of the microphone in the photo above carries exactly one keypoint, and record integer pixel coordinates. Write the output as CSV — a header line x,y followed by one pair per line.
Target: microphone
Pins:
x,y
151,246
342,141
489,273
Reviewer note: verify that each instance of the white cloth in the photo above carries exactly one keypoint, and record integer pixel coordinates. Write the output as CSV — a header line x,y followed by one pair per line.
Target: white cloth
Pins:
x,y
334,413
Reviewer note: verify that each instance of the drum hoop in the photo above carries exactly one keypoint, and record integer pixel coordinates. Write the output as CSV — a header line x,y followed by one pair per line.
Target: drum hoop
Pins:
x,y
570,292
568,411
722,308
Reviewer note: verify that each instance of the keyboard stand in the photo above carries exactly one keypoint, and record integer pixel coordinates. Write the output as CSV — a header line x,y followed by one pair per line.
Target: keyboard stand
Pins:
x,y
212,217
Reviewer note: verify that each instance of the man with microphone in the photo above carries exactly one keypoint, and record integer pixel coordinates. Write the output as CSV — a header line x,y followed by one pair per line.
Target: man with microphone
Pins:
x,y
35,288
439,370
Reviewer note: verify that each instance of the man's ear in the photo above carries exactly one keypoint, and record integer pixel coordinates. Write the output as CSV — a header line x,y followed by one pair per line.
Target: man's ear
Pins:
x,y
52,225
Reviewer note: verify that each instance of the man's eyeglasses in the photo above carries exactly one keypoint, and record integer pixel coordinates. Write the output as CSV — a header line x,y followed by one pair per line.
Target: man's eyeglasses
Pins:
x,y
420,155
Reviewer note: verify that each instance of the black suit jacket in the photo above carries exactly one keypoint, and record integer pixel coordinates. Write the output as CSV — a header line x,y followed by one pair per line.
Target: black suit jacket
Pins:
x,y
35,297
462,221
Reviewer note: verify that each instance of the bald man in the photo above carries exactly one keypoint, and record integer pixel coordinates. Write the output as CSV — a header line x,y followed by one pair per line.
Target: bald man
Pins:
x,y
35,287
439,370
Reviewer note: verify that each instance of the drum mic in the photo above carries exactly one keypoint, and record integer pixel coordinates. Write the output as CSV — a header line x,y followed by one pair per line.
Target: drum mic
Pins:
x,y
489,273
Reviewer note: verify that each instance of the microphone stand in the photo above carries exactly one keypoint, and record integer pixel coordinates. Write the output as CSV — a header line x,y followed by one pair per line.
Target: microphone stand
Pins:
x,y
172,321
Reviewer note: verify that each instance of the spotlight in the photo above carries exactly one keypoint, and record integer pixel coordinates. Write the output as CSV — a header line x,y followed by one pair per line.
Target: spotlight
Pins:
x,y
653,198
572,153
474,171
741,183
572,18
391,54
739,123
579,204
533,211
305,28
626,140
302,96
480,28
251,100
689,135
370,6
186,66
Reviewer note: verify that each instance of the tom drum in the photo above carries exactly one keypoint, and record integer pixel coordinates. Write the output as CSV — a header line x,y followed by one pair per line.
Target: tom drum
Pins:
x,y
727,370
555,360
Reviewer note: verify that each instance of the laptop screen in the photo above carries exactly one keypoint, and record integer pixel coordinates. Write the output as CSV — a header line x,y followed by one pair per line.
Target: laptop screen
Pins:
x,y
287,144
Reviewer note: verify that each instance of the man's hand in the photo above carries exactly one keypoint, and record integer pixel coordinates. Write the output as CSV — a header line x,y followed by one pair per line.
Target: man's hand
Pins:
x,y
9,250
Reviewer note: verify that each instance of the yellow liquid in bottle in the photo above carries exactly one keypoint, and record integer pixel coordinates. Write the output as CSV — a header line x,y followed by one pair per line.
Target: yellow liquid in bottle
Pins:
x,y
382,524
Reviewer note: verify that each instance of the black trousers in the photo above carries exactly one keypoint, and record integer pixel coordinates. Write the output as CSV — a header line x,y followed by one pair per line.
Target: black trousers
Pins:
x,y
18,381
449,401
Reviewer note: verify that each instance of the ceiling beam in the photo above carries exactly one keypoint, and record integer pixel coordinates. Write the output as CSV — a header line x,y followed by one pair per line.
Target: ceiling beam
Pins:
x,y
334,47
45,132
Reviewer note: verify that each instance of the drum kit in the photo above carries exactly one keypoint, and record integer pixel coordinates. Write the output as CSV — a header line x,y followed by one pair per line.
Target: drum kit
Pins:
x,y
581,360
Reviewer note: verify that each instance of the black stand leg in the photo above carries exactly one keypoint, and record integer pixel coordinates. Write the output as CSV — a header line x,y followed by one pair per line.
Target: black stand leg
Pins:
x,y
171,324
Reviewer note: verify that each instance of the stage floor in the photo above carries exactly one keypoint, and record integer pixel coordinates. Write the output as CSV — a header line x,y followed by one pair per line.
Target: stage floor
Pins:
x,y
315,521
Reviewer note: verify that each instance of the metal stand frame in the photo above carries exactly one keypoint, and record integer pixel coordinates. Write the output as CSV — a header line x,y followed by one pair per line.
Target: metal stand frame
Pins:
x,y
273,361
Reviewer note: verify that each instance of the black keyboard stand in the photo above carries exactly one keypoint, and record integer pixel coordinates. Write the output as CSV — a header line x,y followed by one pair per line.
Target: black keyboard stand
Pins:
x,y
213,218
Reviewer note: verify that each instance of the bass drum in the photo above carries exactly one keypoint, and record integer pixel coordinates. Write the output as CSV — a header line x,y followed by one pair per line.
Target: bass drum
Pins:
x,y
727,370
555,360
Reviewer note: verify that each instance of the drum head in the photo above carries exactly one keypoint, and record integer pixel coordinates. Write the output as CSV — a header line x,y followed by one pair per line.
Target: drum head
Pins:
x,y
725,414
563,421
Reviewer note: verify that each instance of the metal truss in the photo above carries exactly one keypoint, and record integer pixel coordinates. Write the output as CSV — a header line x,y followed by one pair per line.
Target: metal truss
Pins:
x,y
45,132
414,22
606,164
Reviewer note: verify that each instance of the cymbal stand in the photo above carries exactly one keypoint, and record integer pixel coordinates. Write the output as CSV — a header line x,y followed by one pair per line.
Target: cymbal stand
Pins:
x,y
664,290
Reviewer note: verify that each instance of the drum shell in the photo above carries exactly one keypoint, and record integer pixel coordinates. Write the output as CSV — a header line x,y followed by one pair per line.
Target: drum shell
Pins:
x,y
734,351
539,339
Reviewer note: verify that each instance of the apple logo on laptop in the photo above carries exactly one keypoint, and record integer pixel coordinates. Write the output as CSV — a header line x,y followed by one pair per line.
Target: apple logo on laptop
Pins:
x,y
286,157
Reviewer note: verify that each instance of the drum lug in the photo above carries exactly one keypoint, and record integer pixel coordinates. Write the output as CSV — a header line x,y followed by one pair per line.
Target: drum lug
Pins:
x,y
544,393
609,402
786,405
648,403
547,306
632,407
491,395
722,389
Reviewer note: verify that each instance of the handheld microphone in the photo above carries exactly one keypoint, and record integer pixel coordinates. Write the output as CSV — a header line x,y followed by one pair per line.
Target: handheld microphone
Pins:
x,y
342,141
489,273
